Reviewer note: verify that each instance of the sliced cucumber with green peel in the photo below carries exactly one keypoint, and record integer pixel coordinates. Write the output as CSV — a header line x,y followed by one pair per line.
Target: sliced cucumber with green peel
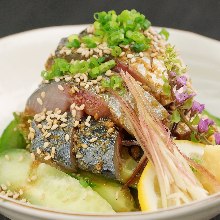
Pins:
x,y
112,191
52,188
15,166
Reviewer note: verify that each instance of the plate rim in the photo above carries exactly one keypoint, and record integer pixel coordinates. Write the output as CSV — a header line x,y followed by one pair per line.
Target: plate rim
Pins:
x,y
193,206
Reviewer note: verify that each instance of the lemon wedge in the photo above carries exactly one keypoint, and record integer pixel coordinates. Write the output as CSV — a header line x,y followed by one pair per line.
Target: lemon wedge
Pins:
x,y
148,189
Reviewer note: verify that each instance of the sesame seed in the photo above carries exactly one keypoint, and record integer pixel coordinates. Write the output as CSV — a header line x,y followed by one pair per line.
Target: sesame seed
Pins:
x,y
21,192
133,60
107,51
74,113
15,196
58,111
64,114
99,78
31,129
85,77
88,118
76,123
67,137
78,156
38,150
60,88
43,94
77,80
82,84
154,54
84,145
76,89
47,135
87,124
33,156
55,126
109,73
63,125
63,119
57,79
93,139
81,107
42,117
48,157
90,83
4,187
46,144
130,55
53,150
110,130
68,78
46,81
94,82
86,86
122,54
39,100
97,89
9,193
39,126
48,112
30,136
7,157
141,54
73,106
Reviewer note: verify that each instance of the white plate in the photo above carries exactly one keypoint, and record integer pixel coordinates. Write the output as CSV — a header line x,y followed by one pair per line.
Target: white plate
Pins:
x,y
22,57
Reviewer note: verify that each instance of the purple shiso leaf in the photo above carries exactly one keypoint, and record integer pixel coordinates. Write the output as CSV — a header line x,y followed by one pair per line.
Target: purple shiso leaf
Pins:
x,y
204,124
197,107
217,138
172,74
182,97
181,81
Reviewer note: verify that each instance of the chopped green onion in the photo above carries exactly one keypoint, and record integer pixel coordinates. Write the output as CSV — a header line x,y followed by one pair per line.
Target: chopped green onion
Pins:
x,y
95,72
73,37
59,67
73,41
164,33
89,41
101,60
93,66
116,82
116,51
125,28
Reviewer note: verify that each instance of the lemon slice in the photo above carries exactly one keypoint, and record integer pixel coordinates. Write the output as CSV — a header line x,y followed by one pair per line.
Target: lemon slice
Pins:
x,y
148,189
147,195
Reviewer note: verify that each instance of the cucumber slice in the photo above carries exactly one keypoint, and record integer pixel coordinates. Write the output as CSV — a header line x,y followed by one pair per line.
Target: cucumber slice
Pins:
x,y
52,188
112,191
15,167
55,189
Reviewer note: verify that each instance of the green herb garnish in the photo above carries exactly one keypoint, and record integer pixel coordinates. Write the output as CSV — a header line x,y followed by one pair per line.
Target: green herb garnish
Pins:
x,y
175,118
164,33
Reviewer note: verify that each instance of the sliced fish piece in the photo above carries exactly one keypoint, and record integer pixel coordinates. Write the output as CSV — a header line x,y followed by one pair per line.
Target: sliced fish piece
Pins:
x,y
95,147
56,147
